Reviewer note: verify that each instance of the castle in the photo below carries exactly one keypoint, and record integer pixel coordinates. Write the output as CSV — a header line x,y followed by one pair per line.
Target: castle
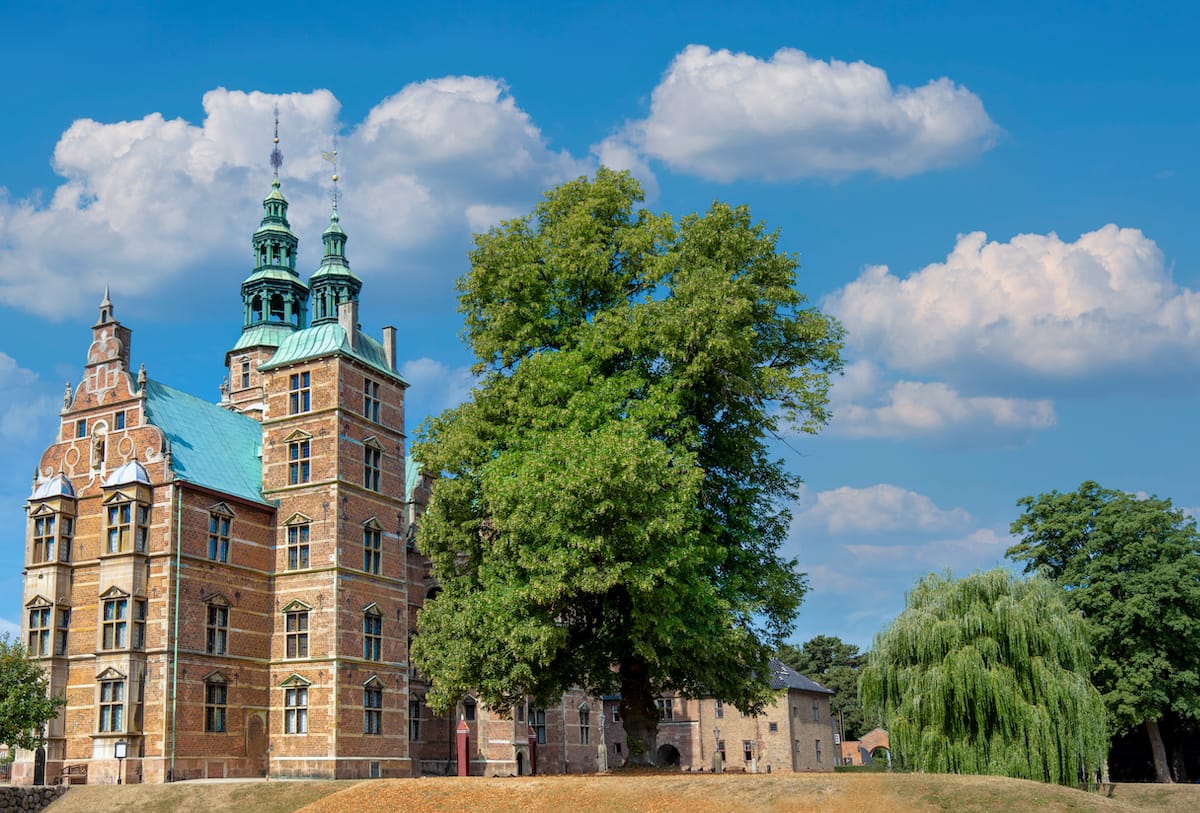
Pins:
x,y
230,590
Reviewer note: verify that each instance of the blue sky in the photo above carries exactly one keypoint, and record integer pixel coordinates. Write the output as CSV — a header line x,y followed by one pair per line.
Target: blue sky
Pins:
x,y
999,202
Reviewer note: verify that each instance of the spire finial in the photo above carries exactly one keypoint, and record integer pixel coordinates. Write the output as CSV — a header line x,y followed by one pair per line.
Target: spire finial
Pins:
x,y
276,155
332,157
106,308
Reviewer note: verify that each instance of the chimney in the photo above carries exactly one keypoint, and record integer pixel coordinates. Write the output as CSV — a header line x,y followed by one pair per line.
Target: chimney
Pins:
x,y
348,319
389,346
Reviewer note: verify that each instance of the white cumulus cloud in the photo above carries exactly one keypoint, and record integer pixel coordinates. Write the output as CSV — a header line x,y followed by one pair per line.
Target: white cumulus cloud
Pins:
x,y
1036,308
878,508
981,548
160,207
725,116
26,407
435,388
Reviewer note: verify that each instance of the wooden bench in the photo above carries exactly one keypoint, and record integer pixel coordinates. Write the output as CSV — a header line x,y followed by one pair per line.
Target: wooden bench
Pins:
x,y
73,775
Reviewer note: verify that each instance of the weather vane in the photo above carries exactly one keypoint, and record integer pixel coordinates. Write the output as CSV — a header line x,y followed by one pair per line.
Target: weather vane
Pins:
x,y
276,155
331,157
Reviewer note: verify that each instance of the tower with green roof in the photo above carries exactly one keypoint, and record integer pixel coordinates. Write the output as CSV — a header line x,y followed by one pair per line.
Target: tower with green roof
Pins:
x,y
274,299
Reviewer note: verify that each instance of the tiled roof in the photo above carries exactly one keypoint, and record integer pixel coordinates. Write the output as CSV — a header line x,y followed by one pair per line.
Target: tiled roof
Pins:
x,y
785,677
210,446
330,339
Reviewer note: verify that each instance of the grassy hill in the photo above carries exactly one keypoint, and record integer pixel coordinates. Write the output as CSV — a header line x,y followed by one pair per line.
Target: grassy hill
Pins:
x,y
650,793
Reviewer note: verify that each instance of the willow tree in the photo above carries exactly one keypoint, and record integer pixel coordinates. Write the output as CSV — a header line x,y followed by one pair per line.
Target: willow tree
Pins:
x,y
988,675
607,514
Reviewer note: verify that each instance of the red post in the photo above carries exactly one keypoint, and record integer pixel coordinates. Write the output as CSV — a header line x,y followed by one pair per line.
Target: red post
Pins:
x,y
532,752
464,749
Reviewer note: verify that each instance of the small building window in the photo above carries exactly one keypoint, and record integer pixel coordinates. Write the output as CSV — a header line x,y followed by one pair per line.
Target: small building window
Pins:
x,y
245,375
112,706
60,633
372,549
295,710
414,720
537,719
721,749
773,727
371,400
371,467
297,547
139,623
298,461
817,751
39,632
81,428
816,710
299,393
114,632
372,636
217,640
585,725
45,535
719,709
296,634
216,696
372,710
218,537
68,532
469,705
666,708
119,419
748,750
616,714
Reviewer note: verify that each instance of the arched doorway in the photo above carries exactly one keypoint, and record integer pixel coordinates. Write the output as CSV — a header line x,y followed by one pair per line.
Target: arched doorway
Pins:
x,y
668,756
520,763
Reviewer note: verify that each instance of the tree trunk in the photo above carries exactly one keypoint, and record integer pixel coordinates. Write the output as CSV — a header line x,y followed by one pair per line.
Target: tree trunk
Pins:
x,y
1159,751
639,715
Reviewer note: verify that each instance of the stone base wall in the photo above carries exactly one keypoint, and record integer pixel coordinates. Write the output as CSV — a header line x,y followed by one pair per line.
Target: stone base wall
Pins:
x,y
28,799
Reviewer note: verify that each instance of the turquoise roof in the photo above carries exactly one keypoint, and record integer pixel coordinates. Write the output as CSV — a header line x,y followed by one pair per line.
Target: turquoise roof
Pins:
x,y
275,275
263,335
210,446
412,477
330,339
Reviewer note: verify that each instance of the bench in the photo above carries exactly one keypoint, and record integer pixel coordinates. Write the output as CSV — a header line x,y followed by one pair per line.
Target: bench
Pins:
x,y
73,775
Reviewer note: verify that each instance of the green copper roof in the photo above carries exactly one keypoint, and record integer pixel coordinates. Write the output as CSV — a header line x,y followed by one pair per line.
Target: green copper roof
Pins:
x,y
332,269
210,446
330,339
263,335
412,477
276,274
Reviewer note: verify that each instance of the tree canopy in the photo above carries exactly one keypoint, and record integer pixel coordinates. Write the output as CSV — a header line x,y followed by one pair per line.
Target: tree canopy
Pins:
x,y
1131,566
988,675
25,703
607,512
834,664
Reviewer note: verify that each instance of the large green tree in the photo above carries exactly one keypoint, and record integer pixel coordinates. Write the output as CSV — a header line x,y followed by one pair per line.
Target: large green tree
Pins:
x,y
25,702
988,675
834,664
1131,565
607,512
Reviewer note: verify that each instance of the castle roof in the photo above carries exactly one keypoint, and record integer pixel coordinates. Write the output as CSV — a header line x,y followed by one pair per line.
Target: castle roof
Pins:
x,y
56,486
210,446
331,339
785,677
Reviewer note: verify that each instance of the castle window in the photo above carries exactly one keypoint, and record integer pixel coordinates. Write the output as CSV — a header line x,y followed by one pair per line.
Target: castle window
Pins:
x,y
414,720
537,719
719,709
469,705
112,705
81,428
245,375
295,710
773,727
371,457
139,623
371,399
816,710
296,633
666,708
67,533
121,528
39,632
721,749
45,534
817,751
256,302
585,725
298,462
119,420
372,635
372,710
372,549
747,750
616,714
218,629
299,393
297,547
218,537
114,627
216,697
277,301
60,634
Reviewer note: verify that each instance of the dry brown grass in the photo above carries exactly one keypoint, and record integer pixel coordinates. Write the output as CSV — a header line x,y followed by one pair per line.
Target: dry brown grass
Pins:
x,y
645,793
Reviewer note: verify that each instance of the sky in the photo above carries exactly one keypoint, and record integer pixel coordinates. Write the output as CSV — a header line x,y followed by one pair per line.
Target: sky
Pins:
x,y
998,201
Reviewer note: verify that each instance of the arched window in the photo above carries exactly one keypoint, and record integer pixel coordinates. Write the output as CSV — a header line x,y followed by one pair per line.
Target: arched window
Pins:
x,y
277,308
